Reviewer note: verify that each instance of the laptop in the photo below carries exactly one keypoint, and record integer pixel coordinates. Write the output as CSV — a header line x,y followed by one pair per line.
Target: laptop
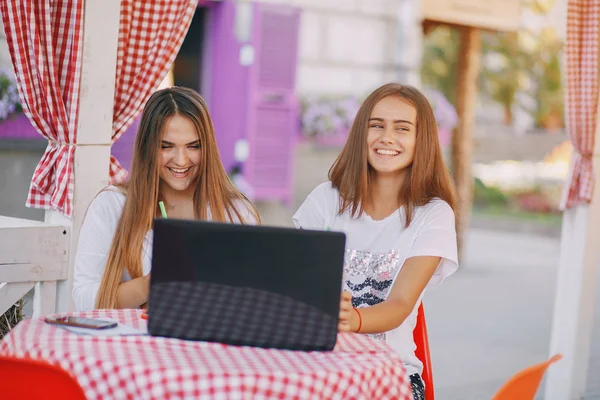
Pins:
x,y
246,285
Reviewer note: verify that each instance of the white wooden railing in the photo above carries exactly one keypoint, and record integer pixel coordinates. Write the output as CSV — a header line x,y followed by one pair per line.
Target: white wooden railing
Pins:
x,y
32,255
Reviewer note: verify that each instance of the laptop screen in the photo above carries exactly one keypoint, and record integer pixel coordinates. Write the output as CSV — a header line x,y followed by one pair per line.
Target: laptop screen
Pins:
x,y
246,285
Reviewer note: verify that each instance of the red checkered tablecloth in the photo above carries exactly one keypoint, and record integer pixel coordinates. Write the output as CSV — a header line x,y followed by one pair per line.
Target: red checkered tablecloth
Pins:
x,y
146,367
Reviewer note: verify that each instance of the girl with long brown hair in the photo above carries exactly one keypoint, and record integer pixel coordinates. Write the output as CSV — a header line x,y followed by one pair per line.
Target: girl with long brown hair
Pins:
x,y
176,161
392,195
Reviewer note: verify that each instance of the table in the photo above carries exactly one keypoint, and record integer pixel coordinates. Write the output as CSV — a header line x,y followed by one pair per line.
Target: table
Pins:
x,y
146,367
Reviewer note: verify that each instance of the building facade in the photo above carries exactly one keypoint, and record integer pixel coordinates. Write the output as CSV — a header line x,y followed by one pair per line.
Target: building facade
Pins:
x,y
255,62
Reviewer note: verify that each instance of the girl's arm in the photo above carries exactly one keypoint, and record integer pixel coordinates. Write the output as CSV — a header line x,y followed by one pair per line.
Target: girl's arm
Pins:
x,y
391,313
432,257
133,293
95,239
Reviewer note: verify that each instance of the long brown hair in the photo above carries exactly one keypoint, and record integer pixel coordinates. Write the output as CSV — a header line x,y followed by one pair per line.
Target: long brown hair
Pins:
x,y
214,190
427,177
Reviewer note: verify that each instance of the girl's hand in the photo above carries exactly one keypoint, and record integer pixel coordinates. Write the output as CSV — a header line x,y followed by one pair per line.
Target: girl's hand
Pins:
x,y
346,311
146,285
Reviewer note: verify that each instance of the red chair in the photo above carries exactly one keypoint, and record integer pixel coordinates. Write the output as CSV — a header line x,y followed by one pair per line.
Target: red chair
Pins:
x,y
36,380
422,352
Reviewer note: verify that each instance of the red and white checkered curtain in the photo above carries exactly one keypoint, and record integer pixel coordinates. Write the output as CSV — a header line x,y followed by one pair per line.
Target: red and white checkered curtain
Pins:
x,y
44,39
150,35
582,52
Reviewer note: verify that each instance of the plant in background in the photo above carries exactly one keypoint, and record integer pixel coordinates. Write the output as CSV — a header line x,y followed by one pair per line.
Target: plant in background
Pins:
x,y
488,196
445,114
549,112
440,60
444,111
328,116
538,199
534,200
9,96
514,64
529,63
508,57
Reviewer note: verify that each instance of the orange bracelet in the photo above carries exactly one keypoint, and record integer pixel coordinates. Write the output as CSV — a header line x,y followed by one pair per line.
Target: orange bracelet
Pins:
x,y
359,320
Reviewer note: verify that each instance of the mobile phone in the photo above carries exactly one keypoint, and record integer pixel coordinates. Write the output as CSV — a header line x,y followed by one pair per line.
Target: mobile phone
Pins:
x,y
80,322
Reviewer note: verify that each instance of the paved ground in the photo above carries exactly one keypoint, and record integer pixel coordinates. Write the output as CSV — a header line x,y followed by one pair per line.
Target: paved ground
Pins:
x,y
494,316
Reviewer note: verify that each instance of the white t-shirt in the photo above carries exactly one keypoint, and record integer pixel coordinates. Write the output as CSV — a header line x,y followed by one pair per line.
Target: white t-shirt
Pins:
x,y
377,249
95,240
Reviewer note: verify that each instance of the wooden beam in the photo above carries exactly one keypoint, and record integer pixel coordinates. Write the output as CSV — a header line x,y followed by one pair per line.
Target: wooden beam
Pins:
x,y
462,139
33,244
497,15
430,26
34,272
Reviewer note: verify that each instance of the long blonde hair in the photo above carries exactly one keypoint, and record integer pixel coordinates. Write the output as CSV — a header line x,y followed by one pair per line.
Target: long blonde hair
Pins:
x,y
427,176
214,190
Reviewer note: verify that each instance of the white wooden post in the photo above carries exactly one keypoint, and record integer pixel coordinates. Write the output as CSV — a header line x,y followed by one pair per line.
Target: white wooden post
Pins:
x,y
576,294
92,155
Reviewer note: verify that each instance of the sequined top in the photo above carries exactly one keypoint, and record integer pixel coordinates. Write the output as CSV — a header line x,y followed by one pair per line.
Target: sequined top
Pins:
x,y
377,249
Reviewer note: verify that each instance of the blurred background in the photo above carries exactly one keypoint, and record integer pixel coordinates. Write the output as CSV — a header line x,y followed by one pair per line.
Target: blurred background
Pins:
x,y
284,79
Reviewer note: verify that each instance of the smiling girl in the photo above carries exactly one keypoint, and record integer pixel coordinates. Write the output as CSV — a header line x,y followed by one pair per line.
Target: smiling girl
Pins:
x,y
392,196
176,161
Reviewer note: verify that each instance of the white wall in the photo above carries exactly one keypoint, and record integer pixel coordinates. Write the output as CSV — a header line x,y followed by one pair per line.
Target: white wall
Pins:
x,y
4,53
347,46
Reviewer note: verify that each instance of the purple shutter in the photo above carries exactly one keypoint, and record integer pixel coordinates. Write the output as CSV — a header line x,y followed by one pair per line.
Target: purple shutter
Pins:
x,y
228,81
18,126
122,149
273,109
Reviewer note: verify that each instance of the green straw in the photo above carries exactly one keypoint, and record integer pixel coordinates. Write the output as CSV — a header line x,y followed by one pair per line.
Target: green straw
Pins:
x,y
162,209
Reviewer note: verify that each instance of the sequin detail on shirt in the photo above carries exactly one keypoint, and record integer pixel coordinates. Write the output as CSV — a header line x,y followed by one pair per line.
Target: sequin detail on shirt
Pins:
x,y
369,276
366,263
376,292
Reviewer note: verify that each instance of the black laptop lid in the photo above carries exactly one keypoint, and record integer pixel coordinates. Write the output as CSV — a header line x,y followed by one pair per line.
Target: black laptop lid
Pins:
x,y
246,285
